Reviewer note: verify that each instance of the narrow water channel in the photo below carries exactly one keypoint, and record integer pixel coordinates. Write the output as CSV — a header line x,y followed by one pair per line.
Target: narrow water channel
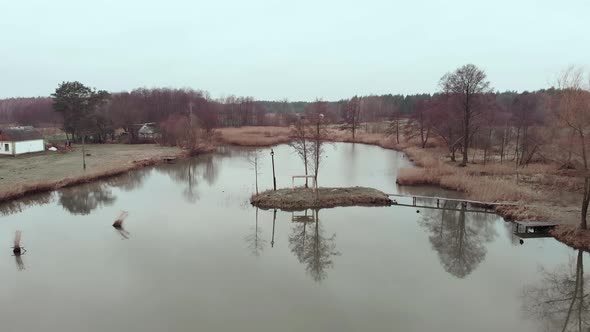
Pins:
x,y
194,255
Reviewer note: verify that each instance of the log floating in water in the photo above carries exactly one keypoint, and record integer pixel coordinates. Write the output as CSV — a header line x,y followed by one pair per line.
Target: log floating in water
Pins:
x,y
119,222
17,249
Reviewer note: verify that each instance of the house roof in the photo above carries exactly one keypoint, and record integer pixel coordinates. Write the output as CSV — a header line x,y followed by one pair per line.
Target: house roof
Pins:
x,y
147,129
18,134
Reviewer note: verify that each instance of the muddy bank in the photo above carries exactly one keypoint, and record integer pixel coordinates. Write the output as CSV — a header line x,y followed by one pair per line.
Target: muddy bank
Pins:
x,y
302,198
572,236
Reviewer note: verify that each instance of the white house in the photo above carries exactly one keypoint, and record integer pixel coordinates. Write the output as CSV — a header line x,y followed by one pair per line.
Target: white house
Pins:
x,y
19,140
148,131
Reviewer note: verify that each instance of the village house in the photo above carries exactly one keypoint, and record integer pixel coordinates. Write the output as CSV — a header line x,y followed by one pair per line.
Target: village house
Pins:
x,y
19,140
147,131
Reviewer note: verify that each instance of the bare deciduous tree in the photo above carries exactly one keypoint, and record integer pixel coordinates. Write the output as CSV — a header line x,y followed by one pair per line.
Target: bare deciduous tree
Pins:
x,y
301,143
255,160
420,123
353,113
317,132
446,124
466,84
574,112
396,122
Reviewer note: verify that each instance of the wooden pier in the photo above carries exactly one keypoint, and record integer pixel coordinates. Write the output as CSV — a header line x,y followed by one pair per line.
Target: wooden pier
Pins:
x,y
466,204
459,200
522,229
170,159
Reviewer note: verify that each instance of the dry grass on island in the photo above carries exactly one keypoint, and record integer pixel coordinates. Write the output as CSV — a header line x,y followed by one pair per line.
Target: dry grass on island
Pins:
x,y
305,198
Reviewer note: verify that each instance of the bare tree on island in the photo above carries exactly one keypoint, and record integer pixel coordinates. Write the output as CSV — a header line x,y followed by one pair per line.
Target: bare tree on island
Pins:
x,y
574,112
254,158
318,134
301,143
467,84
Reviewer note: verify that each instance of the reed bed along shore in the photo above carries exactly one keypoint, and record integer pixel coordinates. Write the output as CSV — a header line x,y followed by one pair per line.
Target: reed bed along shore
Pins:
x,y
544,193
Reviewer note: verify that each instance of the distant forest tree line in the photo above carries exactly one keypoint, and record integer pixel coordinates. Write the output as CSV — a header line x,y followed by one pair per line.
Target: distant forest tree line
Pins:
x,y
127,109
465,112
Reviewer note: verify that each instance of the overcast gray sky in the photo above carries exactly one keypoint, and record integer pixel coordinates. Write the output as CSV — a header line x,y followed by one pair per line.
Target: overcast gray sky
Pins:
x,y
298,50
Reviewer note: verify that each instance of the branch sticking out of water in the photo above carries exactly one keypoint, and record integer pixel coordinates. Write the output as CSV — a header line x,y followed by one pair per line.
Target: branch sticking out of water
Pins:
x,y
17,249
119,222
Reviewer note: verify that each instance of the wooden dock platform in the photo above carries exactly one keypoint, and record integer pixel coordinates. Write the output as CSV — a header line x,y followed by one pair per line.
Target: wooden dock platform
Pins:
x,y
528,229
170,159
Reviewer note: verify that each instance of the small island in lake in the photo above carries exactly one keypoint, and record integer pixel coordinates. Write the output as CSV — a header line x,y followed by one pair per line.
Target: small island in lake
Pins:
x,y
306,198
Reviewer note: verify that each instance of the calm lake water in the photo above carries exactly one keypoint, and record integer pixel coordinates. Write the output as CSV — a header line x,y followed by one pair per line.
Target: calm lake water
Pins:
x,y
196,256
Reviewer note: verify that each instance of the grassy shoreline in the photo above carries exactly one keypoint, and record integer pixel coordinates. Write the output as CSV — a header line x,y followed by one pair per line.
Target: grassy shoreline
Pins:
x,y
48,171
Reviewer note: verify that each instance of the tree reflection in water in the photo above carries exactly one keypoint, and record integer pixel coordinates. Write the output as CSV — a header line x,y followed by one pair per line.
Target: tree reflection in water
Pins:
x,y
20,265
312,247
190,172
129,181
560,299
84,199
19,205
256,243
459,237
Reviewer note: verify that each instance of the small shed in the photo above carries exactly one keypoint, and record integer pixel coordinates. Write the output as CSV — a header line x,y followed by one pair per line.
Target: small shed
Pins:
x,y
19,140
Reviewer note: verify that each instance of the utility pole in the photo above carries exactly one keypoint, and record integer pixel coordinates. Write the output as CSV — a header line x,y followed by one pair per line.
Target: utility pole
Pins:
x,y
83,151
274,179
